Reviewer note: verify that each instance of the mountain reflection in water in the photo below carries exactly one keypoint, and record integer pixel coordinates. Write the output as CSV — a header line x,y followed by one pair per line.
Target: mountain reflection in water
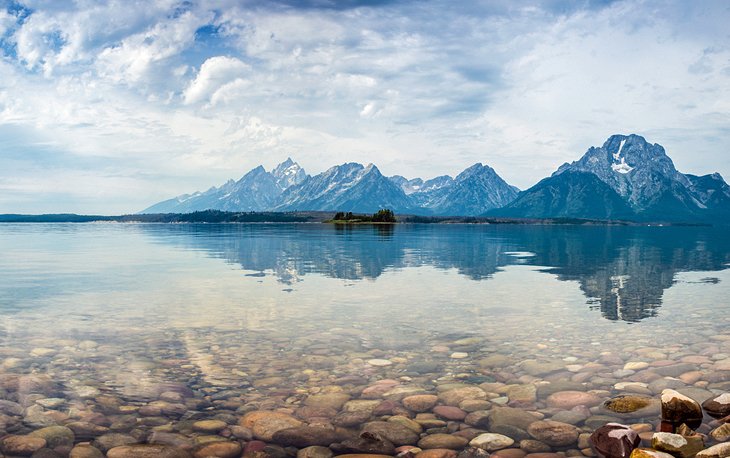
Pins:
x,y
623,271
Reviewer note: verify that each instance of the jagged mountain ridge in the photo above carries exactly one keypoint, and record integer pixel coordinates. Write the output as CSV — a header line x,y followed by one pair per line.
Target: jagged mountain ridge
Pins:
x,y
349,187
626,178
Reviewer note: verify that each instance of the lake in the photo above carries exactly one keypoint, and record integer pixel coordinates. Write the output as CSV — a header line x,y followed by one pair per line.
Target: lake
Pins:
x,y
147,330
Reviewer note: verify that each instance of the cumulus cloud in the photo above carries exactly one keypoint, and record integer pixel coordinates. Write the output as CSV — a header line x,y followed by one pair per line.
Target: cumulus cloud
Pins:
x,y
217,75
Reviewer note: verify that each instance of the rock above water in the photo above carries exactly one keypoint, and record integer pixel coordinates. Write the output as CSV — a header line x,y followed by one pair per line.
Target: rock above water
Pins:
x,y
718,406
448,441
21,445
566,400
677,445
678,408
716,451
305,436
553,433
615,440
491,442
649,453
147,451
420,402
721,433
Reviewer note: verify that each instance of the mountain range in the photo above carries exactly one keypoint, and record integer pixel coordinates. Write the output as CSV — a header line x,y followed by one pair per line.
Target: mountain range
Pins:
x,y
625,179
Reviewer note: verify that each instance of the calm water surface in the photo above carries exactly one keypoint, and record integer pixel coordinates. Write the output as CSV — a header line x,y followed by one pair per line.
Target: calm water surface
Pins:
x,y
246,316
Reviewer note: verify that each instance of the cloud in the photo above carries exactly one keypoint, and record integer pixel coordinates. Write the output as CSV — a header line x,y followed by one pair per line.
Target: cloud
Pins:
x,y
217,75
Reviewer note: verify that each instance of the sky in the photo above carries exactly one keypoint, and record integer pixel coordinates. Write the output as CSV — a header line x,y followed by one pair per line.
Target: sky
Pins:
x,y
107,107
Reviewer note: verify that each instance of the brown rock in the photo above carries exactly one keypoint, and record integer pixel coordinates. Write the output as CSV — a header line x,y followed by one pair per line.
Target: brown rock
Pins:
x,y
566,400
553,433
85,451
677,445
420,402
437,453
719,406
721,433
449,413
315,452
649,453
633,406
305,436
614,440
716,451
147,451
219,450
21,445
678,408
394,432
448,441
265,423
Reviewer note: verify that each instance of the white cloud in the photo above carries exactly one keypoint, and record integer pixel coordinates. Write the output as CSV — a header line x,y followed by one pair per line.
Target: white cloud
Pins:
x,y
216,75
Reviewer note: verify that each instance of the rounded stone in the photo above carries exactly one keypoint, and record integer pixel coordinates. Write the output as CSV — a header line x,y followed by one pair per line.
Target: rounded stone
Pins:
x,y
437,453
554,433
420,402
85,451
449,413
649,453
21,445
448,441
491,442
305,436
380,362
716,451
209,426
315,451
566,400
678,408
218,450
147,451
394,432
718,406
327,400
457,395
55,436
264,423
614,440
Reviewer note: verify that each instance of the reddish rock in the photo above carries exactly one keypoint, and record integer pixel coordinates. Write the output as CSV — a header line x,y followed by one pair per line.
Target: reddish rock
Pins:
x,y
449,413
614,440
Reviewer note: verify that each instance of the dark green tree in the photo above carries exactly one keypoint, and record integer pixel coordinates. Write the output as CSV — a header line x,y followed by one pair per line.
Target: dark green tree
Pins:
x,y
384,216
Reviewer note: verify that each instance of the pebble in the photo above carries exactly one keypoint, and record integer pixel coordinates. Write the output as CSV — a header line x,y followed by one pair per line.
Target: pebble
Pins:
x,y
718,406
380,362
568,399
716,451
209,426
21,445
447,441
147,451
420,403
491,442
553,433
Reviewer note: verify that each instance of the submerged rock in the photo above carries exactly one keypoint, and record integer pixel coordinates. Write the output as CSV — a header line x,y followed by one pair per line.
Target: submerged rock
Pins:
x,y
491,442
633,406
553,433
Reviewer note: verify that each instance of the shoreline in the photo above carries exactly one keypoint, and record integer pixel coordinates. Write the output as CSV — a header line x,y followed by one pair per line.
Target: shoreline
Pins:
x,y
221,217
